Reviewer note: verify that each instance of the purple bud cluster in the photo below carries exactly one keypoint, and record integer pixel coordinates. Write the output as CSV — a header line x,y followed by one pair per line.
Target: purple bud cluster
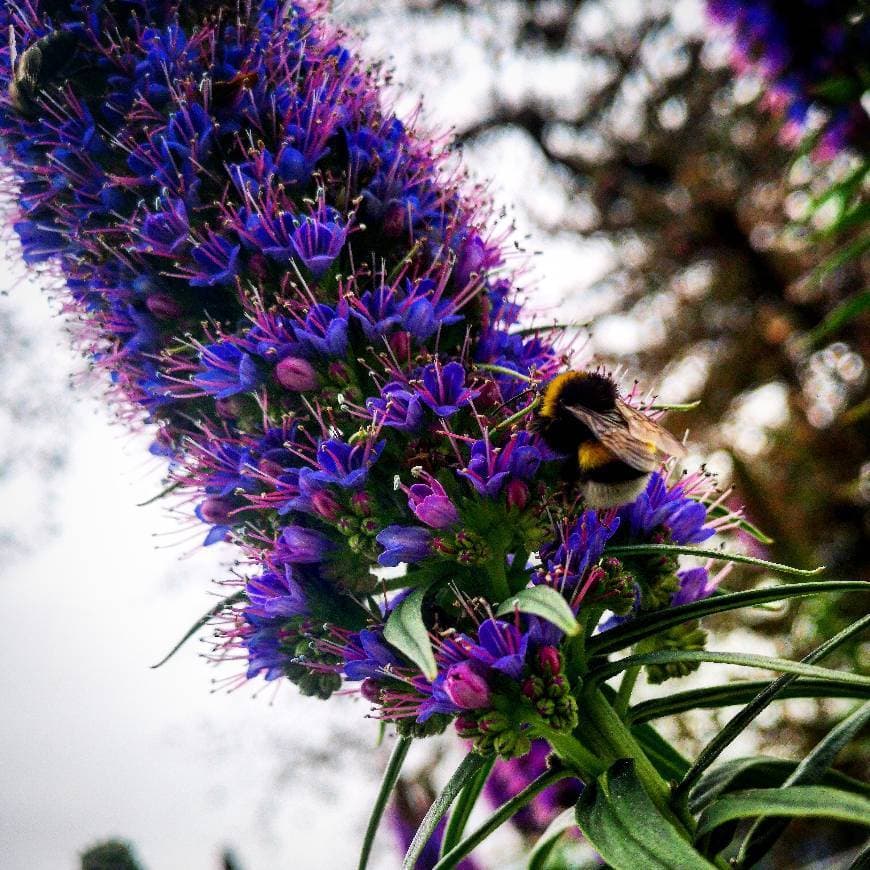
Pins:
x,y
294,292
811,55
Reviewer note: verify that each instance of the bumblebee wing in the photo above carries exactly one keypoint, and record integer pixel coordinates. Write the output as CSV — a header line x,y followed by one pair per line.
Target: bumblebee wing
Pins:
x,y
615,433
646,430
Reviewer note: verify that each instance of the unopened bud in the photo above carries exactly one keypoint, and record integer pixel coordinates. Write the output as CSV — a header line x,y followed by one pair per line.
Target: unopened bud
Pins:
x,y
297,374
517,494
163,306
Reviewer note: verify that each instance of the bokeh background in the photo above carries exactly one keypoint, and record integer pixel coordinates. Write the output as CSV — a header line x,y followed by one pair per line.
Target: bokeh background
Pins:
x,y
663,219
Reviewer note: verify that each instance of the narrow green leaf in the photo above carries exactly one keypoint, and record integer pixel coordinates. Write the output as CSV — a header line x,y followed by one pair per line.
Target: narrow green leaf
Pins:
x,y
666,406
862,859
743,524
648,624
814,801
759,771
546,602
499,817
641,549
224,602
464,806
469,766
847,310
624,826
172,487
749,660
544,846
765,832
737,724
406,631
391,777
732,694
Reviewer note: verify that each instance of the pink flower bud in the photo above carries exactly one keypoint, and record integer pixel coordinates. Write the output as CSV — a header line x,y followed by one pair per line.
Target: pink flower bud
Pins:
x,y
517,494
270,467
325,506
215,511
466,688
163,306
371,690
361,504
297,374
548,660
400,342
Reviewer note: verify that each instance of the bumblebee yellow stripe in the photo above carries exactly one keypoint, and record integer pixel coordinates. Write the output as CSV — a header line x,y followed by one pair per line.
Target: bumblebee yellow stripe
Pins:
x,y
550,403
592,454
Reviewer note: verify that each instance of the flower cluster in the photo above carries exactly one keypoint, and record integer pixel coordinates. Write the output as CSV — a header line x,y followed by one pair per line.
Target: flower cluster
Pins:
x,y
291,288
810,55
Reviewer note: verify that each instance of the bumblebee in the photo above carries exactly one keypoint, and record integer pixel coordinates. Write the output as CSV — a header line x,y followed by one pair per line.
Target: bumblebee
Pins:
x,y
38,66
612,447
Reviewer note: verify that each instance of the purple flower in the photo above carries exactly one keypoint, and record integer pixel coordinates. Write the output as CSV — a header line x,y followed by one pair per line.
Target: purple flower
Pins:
x,y
323,333
165,232
403,544
443,388
397,408
226,371
317,241
695,584
217,262
367,656
501,646
303,546
431,504
490,467
660,507
275,594
341,464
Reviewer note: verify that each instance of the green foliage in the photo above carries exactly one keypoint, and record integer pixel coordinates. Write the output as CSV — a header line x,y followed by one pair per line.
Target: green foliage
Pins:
x,y
544,602
407,632
110,855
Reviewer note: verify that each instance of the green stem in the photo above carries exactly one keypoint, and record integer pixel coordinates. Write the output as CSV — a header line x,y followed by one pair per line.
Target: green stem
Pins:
x,y
519,415
501,589
464,806
391,776
622,743
499,817
505,371
626,686
572,752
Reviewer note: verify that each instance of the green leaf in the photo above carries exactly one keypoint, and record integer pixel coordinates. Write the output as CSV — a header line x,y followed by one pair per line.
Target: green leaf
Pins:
x,y
738,723
642,549
765,832
469,766
464,806
759,771
203,620
649,624
544,847
500,816
391,777
814,801
749,660
731,694
670,764
743,524
406,631
546,602
624,826
847,310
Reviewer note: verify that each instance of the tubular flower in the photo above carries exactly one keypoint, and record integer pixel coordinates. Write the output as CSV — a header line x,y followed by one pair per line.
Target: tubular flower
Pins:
x,y
292,289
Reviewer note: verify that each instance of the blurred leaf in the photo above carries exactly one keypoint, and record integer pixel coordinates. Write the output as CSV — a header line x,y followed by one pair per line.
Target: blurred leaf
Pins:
x,y
847,310
543,848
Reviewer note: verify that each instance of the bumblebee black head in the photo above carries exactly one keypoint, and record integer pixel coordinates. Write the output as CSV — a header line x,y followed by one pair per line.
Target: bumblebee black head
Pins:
x,y
590,390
